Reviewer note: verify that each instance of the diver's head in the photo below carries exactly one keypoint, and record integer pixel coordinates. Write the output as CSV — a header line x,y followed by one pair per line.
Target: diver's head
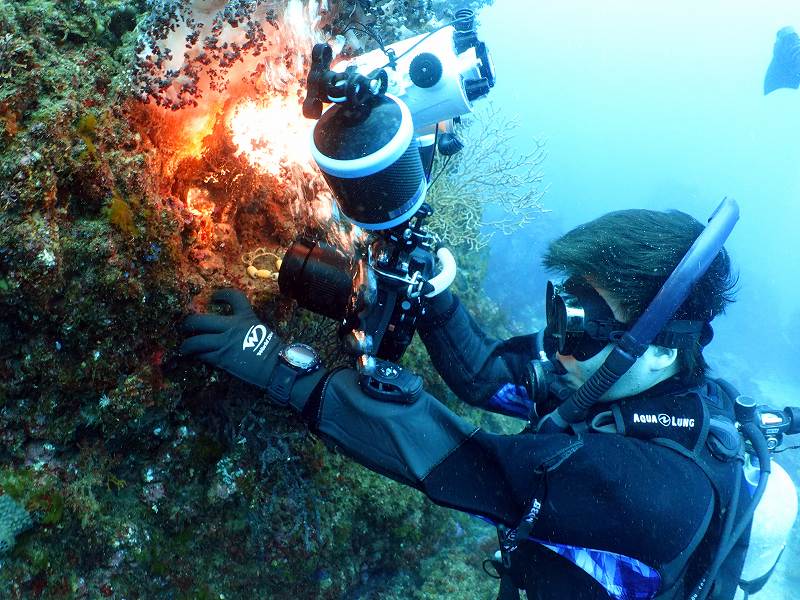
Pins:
x,y
582,351
615,266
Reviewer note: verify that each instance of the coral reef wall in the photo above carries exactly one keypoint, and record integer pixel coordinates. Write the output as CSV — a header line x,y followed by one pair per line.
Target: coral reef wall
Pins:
x,y
145,159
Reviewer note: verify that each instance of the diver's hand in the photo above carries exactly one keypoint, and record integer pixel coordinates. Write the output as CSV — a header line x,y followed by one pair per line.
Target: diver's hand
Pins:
x,y
238,343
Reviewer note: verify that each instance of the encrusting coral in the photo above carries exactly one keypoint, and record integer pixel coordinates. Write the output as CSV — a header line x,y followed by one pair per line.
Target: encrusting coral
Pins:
x,y
147,475
188,47
14,519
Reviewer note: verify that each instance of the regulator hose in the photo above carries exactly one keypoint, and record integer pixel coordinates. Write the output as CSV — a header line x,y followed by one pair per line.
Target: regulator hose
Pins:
x,y
745,411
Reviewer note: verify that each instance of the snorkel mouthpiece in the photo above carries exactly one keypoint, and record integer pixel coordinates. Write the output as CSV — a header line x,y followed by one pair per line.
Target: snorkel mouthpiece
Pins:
x,y
635,341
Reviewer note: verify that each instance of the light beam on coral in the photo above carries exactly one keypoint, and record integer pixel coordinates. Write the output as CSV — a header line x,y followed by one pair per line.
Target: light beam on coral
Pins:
x,y
272,133
225,80
201,208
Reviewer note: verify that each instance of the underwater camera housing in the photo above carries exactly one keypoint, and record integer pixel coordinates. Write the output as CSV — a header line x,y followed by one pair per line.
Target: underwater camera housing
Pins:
x,y
391,107
392,110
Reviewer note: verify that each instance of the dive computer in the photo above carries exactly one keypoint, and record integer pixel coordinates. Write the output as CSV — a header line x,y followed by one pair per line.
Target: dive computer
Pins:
x,y
293,360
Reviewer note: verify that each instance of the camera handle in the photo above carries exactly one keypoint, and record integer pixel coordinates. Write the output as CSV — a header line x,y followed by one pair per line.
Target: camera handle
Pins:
x,y
446,275
400,272
383,379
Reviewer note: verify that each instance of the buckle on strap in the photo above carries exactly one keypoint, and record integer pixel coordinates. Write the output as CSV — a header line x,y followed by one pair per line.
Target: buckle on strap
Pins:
x,y
507,540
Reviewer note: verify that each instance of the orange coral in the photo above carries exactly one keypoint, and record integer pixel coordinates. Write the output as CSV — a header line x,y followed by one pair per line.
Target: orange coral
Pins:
x,y
10,119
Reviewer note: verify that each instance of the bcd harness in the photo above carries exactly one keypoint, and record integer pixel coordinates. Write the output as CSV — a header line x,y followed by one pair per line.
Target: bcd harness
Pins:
x,y
696,423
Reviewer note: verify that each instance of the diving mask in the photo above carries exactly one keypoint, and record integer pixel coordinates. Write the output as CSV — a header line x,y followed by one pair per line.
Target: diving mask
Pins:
x,y
580,323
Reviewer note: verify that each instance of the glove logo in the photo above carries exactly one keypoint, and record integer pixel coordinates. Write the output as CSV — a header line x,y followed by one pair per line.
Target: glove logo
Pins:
x,y
257,338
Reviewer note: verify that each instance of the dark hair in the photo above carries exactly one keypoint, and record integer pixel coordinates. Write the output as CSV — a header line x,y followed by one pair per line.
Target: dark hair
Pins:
x,y
630,253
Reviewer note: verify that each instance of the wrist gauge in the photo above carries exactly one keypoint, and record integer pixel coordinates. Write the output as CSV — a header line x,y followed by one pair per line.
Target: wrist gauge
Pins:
x,y
293,360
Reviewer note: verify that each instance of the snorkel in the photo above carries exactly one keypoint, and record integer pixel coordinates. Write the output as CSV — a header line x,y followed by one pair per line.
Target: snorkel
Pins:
x,y
634,342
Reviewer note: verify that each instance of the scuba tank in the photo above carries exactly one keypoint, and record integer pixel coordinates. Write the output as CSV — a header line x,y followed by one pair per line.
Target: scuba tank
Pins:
x,y
772,524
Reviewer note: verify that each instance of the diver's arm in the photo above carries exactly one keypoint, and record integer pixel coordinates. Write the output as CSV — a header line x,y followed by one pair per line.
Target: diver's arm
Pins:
x,y
599,491
480,370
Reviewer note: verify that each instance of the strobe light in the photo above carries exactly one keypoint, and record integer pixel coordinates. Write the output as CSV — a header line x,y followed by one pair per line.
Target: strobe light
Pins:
x,y
370,158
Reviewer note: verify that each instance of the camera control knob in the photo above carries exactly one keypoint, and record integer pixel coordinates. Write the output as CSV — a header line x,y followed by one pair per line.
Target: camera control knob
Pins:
x,y
425,70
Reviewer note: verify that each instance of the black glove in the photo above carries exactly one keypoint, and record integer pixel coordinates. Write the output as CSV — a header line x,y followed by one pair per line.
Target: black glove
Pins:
x,y
238,343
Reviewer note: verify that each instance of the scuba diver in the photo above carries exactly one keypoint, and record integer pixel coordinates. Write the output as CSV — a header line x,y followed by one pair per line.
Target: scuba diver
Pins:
x,y
784,69
643,497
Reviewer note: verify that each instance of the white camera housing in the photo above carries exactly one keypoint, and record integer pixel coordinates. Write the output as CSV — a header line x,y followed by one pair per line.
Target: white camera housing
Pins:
x,y
449,97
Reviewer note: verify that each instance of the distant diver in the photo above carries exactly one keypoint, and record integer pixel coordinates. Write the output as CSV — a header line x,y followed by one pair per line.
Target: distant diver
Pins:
x,y
784,70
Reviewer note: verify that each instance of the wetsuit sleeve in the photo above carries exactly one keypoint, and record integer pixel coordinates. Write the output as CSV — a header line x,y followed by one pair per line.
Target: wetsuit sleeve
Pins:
x,y
598,491
480,370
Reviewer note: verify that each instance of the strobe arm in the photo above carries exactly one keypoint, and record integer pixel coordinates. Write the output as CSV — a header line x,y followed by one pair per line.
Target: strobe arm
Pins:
x,y
321,56
349,86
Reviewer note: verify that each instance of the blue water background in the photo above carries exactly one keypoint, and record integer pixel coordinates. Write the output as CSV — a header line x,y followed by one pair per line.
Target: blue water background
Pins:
x,y
660,105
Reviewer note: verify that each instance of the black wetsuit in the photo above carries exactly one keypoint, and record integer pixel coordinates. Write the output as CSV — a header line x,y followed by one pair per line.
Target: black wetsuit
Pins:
x,y
625,497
